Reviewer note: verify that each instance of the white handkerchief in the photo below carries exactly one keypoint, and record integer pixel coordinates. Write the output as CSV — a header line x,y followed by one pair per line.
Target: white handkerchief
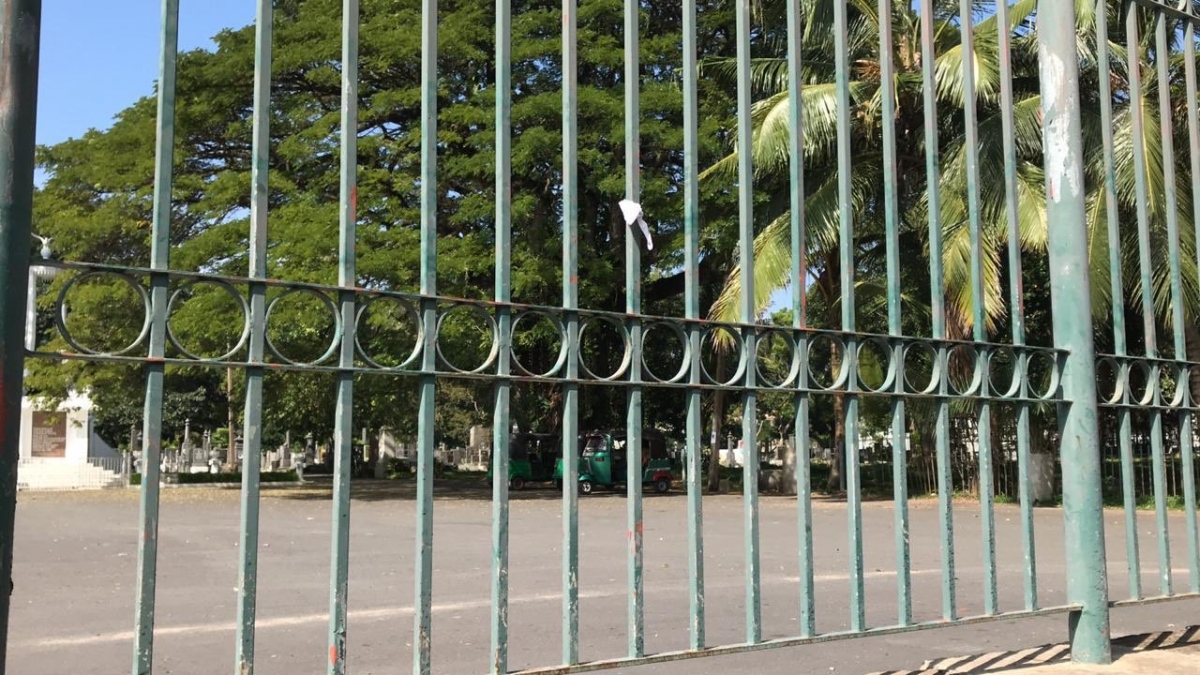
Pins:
x,y
633,214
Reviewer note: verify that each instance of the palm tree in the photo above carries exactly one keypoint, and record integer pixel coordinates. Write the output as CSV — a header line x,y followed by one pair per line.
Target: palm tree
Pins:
x,y
772,136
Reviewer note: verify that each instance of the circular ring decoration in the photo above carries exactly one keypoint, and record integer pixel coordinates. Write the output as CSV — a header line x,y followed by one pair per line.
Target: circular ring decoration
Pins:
x,y
974,386
1117,372
1182,375
408,310
626,358
935,368
488,320
685,366
1150,378
793,369
563,350
60,319
1178,372
740,344
843,375
889,374
1031,359
337,326
1013,361
228,288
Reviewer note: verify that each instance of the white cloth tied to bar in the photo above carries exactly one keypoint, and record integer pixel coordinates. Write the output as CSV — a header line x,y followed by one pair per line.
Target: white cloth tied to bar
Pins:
x,y
633,214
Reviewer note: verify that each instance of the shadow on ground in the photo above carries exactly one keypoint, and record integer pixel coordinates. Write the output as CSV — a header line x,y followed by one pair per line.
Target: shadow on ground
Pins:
x,y
1050,654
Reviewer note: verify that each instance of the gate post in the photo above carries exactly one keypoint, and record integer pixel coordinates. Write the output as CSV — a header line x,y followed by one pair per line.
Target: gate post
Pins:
x,y
20,32
1079,448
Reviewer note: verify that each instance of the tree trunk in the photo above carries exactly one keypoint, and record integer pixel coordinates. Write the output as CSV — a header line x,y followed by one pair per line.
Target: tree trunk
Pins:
x,y
1191,335
837,470
718,420
231,450
788,484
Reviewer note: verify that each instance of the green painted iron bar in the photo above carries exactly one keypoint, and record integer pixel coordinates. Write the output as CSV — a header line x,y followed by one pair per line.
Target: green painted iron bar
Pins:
x,y
937,304
252,417
426,413
1079,442
1155,600
20,38
1016,300
1125,435
850,353
987,518
795,32
1167,138
339,563
749,314
782,643
570,486
500,416
360,370
633,305
691,242
1189,474
160,247
343,419
1172,11
887,93
1137,128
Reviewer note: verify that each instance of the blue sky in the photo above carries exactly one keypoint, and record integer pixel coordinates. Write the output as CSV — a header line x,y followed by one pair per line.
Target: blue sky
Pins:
x,y
98,56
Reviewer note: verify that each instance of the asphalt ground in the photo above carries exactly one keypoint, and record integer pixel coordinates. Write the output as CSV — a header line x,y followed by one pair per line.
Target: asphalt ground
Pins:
x,y
76,560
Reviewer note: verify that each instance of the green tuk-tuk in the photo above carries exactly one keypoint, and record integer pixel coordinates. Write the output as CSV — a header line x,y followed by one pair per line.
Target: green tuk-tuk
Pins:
x,y
604,461
533,458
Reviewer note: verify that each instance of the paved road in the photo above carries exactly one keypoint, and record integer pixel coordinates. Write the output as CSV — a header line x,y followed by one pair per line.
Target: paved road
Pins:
x,y
76,561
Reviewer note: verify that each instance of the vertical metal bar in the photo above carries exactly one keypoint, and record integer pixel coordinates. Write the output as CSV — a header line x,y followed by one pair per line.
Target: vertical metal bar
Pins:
x,y
1167,138
252,417
339,564
858,616
500,418
570,440
887,92
633,308
691,241
1187,447
1016,301
749,315
979,318
1083,508
160,246
795,28
945,485
1115,267
20,37
1137,123
426,414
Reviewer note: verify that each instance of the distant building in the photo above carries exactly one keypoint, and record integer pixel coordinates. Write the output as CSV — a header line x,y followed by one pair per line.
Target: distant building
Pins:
x,y
61,451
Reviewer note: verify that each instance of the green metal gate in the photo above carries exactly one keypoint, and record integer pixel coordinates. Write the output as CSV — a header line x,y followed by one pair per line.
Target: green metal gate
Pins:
x,y
1069,367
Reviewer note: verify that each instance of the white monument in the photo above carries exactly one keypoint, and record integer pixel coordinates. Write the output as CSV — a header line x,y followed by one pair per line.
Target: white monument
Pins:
x,y
60,449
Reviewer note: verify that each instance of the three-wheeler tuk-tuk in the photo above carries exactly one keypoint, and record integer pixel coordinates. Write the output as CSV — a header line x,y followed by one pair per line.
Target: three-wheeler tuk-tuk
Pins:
x,y
604,461
533,458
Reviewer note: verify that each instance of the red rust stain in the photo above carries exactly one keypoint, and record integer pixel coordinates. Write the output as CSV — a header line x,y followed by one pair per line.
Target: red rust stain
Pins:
x,y
333,653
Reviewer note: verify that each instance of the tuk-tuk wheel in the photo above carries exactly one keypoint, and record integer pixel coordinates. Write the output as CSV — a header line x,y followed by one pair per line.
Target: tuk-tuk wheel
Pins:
x,y
662,486
586,487
517,483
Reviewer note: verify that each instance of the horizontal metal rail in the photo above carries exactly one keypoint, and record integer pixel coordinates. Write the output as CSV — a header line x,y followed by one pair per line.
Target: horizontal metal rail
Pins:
x,y
779,643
